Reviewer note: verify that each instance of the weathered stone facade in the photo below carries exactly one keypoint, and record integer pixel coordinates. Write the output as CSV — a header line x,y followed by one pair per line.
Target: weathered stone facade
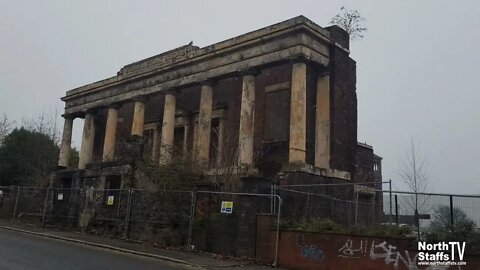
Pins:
x,y
284,96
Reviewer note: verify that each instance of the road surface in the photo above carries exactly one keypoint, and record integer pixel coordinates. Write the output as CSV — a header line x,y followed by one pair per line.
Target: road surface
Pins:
x,y
20,251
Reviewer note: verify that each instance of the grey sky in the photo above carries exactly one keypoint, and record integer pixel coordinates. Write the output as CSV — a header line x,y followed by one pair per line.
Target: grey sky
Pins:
x,y
417,67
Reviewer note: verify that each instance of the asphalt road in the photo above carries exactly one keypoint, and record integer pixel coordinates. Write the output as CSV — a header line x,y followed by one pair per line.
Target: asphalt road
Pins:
x,y
20,251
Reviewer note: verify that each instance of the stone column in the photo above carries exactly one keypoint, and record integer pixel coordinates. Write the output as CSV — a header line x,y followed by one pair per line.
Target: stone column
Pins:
x,y
86,150
195,136
247,115
186,133
168,128
66,146
110,133
298,120
138,116
156,143
322,122
221,132
204,125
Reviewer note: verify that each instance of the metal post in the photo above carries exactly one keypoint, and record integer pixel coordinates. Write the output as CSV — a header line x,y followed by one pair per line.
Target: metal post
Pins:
x,y
390,195
45,206
306,207
396,209
333,205
274,194
119,201
127,215
271,199
356,207
277,237
451,211
16,203
192,215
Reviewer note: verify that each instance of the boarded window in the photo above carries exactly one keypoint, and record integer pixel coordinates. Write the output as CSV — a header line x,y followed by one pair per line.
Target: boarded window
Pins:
x,y
148,136
277,115
178,140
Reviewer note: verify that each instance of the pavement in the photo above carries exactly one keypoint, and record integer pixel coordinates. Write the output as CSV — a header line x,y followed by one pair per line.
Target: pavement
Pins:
x,y
21,251
170,257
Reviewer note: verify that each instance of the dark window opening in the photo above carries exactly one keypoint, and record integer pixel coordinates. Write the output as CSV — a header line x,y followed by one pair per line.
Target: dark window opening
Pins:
x,y
113,184
277,115
149,136
213,153
178,141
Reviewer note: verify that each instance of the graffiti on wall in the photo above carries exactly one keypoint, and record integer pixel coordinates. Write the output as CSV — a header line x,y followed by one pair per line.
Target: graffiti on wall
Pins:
x,y
382,250
309,251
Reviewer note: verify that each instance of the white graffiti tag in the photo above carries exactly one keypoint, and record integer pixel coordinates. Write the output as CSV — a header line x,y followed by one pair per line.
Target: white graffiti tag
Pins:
x,y
389,253
348,251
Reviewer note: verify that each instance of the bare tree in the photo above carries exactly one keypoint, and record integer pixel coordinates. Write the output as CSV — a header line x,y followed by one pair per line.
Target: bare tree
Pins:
x,y
351,21
5,127
44,124
414,174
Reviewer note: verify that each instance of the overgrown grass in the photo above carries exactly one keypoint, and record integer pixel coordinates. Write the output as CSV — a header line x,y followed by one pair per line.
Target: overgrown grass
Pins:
x,y
328,226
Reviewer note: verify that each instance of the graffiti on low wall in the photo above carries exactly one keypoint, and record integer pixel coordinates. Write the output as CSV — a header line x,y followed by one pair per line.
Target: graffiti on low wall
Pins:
x,y
309,251
382,250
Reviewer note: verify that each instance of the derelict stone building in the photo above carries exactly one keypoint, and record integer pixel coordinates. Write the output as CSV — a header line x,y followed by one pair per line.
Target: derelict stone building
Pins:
x,y
283,97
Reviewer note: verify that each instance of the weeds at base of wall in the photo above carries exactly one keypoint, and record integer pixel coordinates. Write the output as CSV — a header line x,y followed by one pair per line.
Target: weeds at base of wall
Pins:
x,y
321,225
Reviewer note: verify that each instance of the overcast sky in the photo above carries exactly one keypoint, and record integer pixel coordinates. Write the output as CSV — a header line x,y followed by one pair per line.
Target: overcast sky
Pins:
x,y
417,67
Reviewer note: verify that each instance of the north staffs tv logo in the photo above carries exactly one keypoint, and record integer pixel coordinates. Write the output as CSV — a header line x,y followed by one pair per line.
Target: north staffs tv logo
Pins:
x,y
441,252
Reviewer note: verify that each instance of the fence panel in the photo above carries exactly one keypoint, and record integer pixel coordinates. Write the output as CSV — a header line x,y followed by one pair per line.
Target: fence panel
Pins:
x,y
226,223
7,201
161,217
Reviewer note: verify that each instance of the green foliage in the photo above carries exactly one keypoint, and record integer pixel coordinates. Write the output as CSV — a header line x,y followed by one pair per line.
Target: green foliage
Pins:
x,y
180,174
74,158
384,230
463,229
318,225
351,21
329,226
27,158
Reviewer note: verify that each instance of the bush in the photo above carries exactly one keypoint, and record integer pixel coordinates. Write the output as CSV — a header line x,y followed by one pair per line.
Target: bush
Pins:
x,y
329,226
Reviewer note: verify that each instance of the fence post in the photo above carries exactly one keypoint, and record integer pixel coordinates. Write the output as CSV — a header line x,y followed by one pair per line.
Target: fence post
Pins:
x,y
306,207
16,203
390,195
451,211
127,215
356,208
277,235
192,215
396,209
271,199
274,201
333,205
45,206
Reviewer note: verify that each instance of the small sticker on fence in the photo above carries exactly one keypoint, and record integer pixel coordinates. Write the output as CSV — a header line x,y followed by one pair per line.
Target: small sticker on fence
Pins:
x,y
60,196
227,207
110,200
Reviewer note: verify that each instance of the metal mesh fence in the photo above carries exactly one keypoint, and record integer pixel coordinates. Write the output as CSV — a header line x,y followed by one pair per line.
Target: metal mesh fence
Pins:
x,y
161,217
227,223
338,203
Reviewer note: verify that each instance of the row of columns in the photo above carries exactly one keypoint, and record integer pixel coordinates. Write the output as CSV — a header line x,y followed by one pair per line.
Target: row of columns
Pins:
x,y
297,141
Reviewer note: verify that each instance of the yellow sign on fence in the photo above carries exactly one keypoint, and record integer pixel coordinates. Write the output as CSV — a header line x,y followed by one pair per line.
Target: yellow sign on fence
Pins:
x,y
110,200
227,207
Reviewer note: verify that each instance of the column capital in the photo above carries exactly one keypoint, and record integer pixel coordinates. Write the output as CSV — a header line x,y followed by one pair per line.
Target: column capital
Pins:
x,y
251,71
324,71
208,82
114,106
172,91
69,116
299,58
90,111
140,99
